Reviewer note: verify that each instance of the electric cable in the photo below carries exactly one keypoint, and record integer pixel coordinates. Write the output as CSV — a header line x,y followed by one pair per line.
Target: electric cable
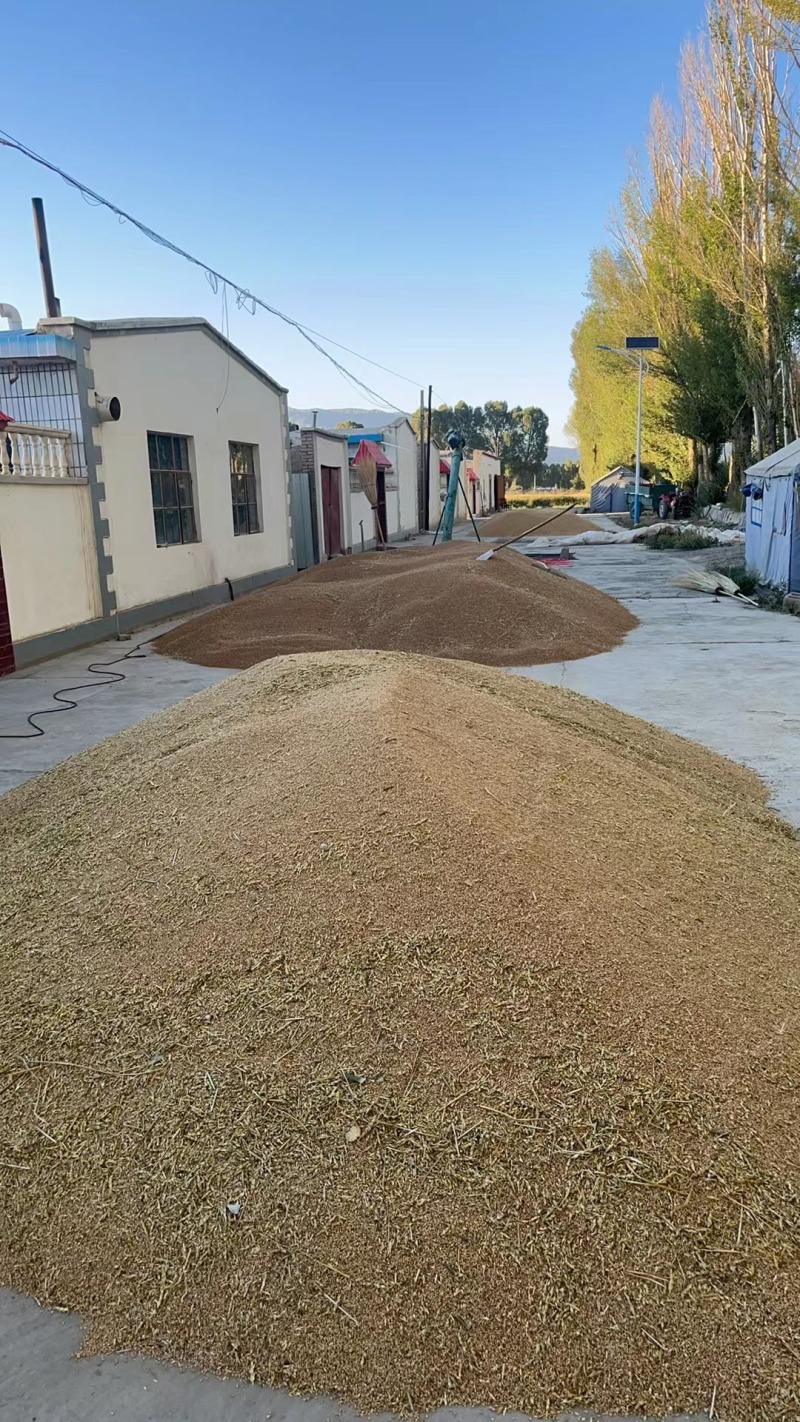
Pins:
x,y
96,669
244,297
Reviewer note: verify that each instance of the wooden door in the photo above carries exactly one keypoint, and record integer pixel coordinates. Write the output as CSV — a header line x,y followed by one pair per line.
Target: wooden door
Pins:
x,y
6,644
331,506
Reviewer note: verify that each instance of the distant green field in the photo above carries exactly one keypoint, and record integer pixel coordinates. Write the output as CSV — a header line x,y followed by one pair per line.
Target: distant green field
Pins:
x,y
521,498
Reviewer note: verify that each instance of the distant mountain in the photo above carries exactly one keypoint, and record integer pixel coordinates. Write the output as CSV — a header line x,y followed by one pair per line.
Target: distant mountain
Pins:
x,y
562,454
328,419
375,419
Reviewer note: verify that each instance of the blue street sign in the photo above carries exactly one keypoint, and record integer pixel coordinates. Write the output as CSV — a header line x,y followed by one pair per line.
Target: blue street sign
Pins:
x,y
642,343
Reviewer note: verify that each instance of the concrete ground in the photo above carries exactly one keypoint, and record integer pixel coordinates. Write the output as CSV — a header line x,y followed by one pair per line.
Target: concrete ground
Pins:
x,y
104,707
720,672
41,1380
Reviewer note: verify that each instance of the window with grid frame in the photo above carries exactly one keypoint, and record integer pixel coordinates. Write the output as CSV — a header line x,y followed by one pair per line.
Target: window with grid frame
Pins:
x,y
171,488
244,488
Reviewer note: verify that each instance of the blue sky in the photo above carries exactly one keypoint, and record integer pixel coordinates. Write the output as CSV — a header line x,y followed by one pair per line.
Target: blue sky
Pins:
x,y
422,180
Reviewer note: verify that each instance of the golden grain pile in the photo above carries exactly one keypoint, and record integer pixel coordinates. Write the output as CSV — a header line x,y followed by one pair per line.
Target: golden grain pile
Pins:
x,y
441,601
319,1069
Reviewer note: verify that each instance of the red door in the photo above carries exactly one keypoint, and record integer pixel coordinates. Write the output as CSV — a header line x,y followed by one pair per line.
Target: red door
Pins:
x,y
331,521
6,645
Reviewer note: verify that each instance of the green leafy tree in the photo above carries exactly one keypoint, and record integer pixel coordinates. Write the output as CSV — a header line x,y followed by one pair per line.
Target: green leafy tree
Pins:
x,y
525,453
562,476
348,425
518,437
498,427
466,419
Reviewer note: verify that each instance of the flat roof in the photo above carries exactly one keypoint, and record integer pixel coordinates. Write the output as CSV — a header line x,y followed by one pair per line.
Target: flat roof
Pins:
x,y
135,325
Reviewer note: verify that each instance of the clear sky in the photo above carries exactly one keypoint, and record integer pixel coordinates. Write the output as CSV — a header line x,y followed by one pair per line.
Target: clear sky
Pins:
x,y
421,180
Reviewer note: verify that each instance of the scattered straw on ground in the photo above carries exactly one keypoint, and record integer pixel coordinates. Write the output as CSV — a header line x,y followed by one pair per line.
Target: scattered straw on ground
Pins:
x,y
440,601
511,522
320,1068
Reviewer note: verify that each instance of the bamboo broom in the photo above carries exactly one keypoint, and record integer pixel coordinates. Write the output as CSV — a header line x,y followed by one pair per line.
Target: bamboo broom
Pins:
x,y
709,581
367,471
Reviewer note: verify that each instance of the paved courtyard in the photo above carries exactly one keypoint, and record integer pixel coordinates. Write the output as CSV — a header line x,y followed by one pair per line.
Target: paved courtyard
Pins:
x,y
717,671
105,705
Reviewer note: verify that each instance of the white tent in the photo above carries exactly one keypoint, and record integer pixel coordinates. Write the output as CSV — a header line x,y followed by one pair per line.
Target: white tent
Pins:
x,y
772,525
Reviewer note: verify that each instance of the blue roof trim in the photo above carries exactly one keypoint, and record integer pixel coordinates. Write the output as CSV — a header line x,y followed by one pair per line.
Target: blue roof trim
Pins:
x,y
356,436
36,345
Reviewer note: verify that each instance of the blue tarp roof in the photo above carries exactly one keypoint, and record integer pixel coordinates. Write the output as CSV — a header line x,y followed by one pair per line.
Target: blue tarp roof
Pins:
x,y
36,345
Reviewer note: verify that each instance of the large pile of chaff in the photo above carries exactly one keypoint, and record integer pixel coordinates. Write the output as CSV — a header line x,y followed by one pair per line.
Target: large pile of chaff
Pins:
x,y
401,1030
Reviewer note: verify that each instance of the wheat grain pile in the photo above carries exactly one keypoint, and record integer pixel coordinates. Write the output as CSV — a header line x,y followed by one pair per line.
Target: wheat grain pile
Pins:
x,y
318,1069
438,601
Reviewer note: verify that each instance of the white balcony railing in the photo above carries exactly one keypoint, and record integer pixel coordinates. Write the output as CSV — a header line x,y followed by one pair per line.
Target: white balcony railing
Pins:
x,y
31,452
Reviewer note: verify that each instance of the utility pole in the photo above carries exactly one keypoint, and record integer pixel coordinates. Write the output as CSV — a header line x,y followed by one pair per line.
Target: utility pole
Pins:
x,y
428,461
423,520
455,443
51,301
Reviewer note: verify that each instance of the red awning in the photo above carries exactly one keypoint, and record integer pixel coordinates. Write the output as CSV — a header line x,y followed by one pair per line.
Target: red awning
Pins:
x,y
444,467
368,449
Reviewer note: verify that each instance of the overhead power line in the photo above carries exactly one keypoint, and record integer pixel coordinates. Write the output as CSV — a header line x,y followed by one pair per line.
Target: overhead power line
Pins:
x,y
244,297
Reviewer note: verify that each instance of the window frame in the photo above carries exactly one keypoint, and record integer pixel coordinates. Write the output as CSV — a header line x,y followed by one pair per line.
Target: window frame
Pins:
x,y
251,503
172,464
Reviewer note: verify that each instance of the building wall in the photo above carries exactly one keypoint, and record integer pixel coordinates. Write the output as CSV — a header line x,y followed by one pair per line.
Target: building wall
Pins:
x,y
488,467
400,444
182,382
332,450
437,485
484,466
360,514
48,555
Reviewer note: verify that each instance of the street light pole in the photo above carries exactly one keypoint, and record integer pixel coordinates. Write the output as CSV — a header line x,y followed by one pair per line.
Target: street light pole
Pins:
x,y
637,485
637,344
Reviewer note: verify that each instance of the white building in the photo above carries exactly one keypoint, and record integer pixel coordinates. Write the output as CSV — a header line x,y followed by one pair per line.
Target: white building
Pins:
x,y
398,483
144,473
477,494
481,469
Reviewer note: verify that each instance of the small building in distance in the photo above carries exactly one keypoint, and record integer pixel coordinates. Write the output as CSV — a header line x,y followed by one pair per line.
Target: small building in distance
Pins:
x,y
320,495
480,472
772,521
398,482
143,472
613,492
